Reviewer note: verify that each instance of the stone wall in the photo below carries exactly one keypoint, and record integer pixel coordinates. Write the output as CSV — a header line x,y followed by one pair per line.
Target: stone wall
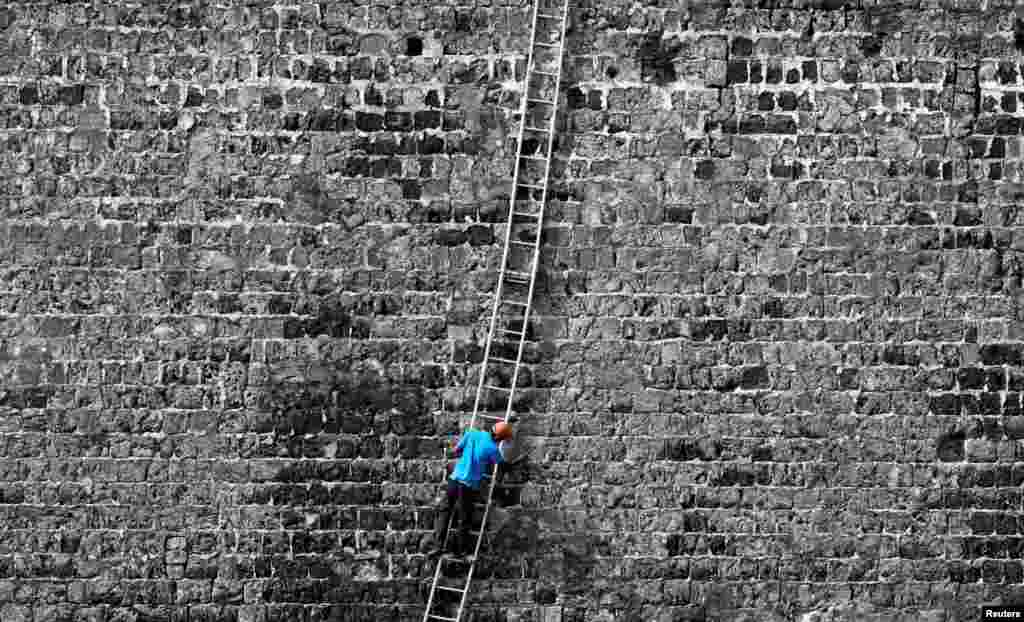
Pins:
x,y
246,259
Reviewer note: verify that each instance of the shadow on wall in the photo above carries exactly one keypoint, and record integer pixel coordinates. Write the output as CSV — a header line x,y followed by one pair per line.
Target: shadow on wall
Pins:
x,y
578,577
334,420
332,388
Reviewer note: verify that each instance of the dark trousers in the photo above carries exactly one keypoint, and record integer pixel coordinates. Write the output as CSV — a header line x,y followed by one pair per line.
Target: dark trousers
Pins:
x,y
457,494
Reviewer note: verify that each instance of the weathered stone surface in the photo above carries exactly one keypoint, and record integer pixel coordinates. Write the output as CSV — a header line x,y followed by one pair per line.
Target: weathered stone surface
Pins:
x,y
246,258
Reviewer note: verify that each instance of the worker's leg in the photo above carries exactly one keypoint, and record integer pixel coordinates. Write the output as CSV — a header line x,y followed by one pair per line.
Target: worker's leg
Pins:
x,y
444,514
467,497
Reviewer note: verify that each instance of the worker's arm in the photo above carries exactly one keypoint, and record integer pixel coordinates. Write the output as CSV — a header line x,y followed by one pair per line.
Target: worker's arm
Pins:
x,y
498,457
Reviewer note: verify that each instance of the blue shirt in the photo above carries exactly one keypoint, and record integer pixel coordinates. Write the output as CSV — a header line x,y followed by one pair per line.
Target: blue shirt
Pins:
x,y
479,451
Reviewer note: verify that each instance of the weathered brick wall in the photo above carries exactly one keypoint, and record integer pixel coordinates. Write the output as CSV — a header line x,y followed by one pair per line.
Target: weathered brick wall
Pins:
x,y
245,264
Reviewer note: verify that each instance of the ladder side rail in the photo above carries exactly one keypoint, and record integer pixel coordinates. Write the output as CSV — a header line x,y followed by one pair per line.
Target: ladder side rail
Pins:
x,y
442,544
433,588
479,538
487,510
499,288
533,268
535,259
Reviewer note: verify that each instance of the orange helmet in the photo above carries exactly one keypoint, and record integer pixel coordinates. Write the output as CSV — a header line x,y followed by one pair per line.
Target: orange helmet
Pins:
x,y
502,431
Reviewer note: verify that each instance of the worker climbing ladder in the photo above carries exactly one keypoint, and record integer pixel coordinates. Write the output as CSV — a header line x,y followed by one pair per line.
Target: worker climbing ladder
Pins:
x,y
506,337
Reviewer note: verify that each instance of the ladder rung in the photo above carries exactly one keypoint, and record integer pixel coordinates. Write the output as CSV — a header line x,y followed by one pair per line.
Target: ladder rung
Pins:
x,y
523,243
437,617
511,332
518,275
450,589
530,128
503,360
534,215
547,45
497,388
515,302
491,417
534,186
537,100
549,16
530,157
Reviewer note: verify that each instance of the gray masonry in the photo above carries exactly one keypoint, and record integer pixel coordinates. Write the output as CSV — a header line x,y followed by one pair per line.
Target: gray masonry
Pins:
x,y
247,253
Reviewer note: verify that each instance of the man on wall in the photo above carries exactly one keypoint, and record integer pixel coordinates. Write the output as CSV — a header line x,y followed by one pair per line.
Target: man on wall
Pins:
x,y
477,452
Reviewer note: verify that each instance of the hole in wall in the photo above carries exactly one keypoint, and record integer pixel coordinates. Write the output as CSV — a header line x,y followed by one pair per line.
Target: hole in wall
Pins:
x,y
950,447
413,46
530,146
